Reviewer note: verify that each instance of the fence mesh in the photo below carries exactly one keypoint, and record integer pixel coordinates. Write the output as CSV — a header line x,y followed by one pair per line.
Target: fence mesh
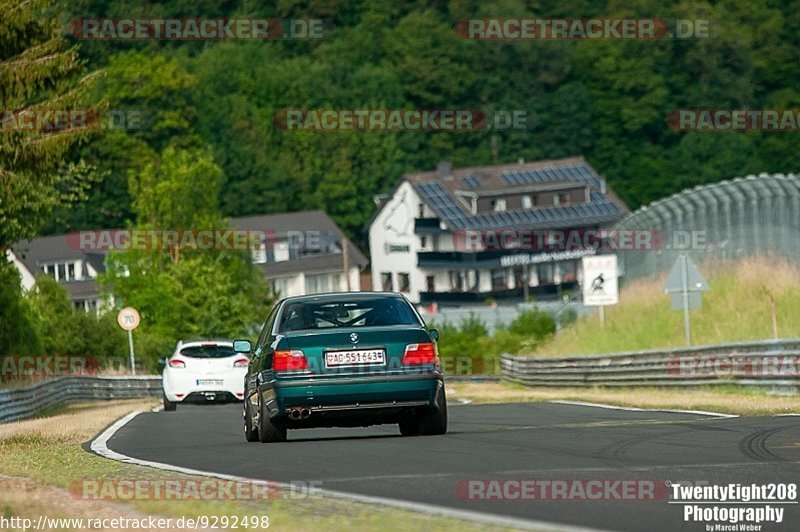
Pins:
x,y
754,215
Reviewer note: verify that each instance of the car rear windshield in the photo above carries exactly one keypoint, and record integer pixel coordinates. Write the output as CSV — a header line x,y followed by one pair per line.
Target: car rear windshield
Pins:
x,y
326,314
208,351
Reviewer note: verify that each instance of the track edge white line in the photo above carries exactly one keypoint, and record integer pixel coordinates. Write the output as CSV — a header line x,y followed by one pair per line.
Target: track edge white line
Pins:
x,y
635,409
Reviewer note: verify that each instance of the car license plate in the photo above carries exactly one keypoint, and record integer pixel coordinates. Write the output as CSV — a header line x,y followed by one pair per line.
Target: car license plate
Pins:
x,y
209,382
355,357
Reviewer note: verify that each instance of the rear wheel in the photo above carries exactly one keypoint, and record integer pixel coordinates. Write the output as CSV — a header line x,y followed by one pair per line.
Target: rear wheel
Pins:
x,y
269,430
434,421
250,432
431,422
169,406
409,427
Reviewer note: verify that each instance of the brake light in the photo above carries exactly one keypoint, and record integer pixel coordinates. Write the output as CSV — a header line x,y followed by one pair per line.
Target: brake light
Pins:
x,y
289,360
176,363
241,363
421,354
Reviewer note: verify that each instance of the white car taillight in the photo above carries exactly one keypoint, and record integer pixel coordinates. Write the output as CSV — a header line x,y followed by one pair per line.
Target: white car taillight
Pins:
x,y
241,363
175,363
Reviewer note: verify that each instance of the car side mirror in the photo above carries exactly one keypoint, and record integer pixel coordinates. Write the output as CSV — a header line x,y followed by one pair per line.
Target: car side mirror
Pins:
x,y
242,346
434,335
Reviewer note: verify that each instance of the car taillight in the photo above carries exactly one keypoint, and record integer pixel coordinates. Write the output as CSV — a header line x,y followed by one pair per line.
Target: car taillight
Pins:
x,y
241,363
289,360
175,363
420,354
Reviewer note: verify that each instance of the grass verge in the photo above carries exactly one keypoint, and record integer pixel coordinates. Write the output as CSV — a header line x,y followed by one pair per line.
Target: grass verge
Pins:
x,y
723,399
739,306
41,457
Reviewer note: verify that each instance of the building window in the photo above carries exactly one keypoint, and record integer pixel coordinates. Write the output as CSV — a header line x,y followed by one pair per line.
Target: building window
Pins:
x,y
70,271
317,284
563,199
259,254
280,286
499,279
457,281
545,273
423,242
87,305
386,281
429,283
568,271
499,205
404,282
421,210
526,202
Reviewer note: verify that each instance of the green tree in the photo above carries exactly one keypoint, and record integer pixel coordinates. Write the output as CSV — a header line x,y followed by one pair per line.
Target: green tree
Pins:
x,y
184,293
39,72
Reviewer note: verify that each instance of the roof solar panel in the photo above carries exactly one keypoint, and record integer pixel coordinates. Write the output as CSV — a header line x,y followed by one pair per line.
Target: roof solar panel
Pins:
x,y
599,209
443,203
470,181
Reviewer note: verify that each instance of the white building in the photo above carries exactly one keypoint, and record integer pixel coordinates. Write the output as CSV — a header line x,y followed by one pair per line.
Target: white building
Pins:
x,y
303,254
440,236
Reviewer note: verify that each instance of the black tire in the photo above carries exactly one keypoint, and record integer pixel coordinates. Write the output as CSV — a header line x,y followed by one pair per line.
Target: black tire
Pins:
x,y
269,431
169,406
434,421
250,432
409,427
431,422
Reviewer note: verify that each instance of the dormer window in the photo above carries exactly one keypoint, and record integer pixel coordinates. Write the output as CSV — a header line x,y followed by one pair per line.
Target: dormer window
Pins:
x,y
499,205
259,253
63,271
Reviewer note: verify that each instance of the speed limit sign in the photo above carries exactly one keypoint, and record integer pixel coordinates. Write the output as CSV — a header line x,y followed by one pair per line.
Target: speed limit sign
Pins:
x,y
128,318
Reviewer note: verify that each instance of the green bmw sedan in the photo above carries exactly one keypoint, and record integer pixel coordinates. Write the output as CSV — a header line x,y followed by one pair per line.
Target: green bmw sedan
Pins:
x,y
351,359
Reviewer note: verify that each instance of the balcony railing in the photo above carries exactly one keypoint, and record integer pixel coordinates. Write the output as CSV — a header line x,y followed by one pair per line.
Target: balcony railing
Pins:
x,y
427,226
542,292
460,258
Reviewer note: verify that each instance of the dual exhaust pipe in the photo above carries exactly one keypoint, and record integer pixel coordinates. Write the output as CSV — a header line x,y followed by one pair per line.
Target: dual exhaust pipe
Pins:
x,y
299,413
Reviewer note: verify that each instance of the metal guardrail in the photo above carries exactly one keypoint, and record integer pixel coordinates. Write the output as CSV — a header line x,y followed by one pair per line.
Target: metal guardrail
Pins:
x,y
773,363
23,402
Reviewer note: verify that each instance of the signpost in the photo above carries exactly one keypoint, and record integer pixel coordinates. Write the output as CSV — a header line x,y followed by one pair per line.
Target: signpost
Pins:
x,y
685,284
128,318
600,287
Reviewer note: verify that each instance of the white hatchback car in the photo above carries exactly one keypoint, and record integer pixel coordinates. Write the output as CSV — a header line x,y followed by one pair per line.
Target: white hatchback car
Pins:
x,y
203,371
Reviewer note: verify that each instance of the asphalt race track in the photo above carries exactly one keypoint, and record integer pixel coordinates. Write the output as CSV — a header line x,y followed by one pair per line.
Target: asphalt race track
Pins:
x,y
533,441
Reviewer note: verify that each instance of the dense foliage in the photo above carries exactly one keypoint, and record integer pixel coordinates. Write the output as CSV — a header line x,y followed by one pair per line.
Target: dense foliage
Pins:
x,y
607,100
467,348
209,106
